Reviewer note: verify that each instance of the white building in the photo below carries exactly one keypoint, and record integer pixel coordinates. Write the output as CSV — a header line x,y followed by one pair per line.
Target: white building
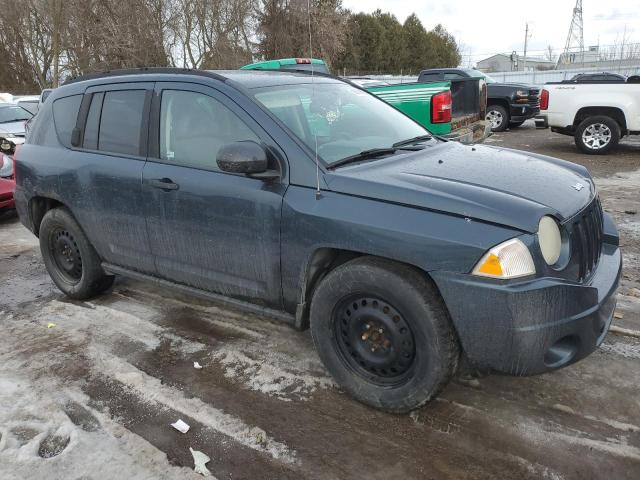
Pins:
x,y
503,62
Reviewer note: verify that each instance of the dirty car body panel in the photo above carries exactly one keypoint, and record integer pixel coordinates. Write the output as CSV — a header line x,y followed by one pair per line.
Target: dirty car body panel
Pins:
x,y
438,208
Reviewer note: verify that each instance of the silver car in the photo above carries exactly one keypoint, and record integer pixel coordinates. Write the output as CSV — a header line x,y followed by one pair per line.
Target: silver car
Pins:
x,y
12,126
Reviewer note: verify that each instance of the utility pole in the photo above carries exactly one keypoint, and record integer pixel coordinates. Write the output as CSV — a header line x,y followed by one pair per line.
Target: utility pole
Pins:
x,y
526,39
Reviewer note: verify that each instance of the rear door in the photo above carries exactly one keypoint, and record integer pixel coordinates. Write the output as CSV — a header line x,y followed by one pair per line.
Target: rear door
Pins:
x,y
209,229
113,126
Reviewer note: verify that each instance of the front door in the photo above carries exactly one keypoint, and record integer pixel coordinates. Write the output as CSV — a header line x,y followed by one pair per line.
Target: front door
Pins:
x,y
209,229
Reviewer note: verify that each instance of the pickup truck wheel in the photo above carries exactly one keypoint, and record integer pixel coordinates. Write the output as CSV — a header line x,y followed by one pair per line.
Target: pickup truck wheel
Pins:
x,y
72,263
498,117
597,135
384,334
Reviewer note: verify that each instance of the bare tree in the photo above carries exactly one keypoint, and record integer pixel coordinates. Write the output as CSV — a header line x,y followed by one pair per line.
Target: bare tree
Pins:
x,y
549,54
284,29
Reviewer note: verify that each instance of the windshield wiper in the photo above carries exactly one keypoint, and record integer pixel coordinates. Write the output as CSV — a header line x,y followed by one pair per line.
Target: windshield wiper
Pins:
x,y
364,155
411,141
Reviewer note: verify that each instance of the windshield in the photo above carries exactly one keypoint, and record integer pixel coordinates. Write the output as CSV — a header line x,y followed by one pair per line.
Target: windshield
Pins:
x,y
478,74
14,114
345,119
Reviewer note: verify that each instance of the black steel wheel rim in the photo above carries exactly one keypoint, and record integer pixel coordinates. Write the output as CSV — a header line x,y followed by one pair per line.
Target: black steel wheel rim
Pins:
x,y
66,255
374,340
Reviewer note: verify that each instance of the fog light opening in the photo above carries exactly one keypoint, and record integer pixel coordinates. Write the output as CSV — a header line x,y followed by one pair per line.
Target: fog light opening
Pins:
x,y
561,352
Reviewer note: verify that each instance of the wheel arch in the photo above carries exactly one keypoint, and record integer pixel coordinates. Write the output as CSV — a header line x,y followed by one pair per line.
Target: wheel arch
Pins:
x,y
38,207
615,113
498,101
321,262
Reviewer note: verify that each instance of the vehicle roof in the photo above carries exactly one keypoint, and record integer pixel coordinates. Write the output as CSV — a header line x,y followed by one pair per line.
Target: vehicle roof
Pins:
x,y
447,69
268,78
280,61
246,78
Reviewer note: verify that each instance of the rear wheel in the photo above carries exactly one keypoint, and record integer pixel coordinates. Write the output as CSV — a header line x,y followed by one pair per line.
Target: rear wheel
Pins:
x,y
384,334
597,135
498,118
72,263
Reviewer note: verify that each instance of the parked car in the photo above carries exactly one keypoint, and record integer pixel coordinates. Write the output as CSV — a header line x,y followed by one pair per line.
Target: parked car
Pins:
x,y
400,250
7,185
295,64
453,109
44,94
28,102
597,115
12,126
509,105
603,77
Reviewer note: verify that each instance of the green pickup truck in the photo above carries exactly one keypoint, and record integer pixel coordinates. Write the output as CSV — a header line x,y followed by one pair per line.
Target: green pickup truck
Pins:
x,y
454,109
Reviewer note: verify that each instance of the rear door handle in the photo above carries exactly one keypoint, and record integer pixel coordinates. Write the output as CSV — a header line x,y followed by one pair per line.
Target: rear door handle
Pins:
x,y
164,184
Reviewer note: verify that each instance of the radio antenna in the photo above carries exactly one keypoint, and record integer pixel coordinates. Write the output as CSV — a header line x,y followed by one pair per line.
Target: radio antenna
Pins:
x,y
315,133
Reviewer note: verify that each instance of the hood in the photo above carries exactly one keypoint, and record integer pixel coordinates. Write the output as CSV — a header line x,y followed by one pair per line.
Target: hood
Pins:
x,y
17,128
502,186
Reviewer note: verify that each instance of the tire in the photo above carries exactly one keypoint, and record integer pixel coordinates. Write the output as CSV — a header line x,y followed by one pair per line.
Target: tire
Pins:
x,y
498,117
516,124
72,262
413,350
597,135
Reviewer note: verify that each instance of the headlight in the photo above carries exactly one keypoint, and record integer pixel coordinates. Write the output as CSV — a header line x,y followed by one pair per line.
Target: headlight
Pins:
x,y
550,240
522,93
510,259
6,165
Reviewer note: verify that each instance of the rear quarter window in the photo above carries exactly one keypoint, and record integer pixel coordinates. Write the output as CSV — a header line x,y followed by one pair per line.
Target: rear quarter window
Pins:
x,y
65,115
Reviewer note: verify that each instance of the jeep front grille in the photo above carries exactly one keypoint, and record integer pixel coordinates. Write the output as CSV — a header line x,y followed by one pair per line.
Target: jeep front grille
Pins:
x,y
586,232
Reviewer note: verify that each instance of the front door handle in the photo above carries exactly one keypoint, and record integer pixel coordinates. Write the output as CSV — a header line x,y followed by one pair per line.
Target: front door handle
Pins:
x,y
164,184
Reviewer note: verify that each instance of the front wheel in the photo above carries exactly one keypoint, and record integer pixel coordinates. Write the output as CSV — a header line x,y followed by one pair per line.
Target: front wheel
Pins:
x,y
72,262
498,118
597,135
384,334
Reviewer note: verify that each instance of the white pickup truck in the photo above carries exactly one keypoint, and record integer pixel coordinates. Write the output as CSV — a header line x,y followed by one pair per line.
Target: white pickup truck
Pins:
x,y
597,115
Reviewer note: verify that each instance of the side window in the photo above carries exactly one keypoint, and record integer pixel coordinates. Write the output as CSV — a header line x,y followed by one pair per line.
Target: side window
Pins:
x,y
121,121
91,129
65,115
193,127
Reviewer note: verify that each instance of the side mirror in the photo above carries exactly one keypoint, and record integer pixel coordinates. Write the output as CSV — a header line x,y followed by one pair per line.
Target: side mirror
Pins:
x,y
242,157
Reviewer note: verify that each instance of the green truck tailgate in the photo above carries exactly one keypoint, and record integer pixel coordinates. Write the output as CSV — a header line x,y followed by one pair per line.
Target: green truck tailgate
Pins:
x,y
414,100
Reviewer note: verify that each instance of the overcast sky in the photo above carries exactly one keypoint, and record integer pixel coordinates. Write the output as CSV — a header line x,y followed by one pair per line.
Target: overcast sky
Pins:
x,y
495,26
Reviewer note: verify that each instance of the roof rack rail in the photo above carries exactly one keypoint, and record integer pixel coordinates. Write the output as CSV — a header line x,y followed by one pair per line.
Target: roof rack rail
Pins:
x,y
144,70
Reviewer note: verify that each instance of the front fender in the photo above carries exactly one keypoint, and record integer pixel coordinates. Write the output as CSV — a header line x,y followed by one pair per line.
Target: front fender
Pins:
x,y
425,239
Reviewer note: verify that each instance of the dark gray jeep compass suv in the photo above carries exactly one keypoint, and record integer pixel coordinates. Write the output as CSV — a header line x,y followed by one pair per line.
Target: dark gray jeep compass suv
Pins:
x,y
309,199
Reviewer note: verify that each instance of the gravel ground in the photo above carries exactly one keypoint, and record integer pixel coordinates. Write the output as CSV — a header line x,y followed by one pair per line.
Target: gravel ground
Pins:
x,y
88,390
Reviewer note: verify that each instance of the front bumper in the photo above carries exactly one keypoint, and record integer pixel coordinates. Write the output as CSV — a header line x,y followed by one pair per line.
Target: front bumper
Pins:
x,y
534,326
520,112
